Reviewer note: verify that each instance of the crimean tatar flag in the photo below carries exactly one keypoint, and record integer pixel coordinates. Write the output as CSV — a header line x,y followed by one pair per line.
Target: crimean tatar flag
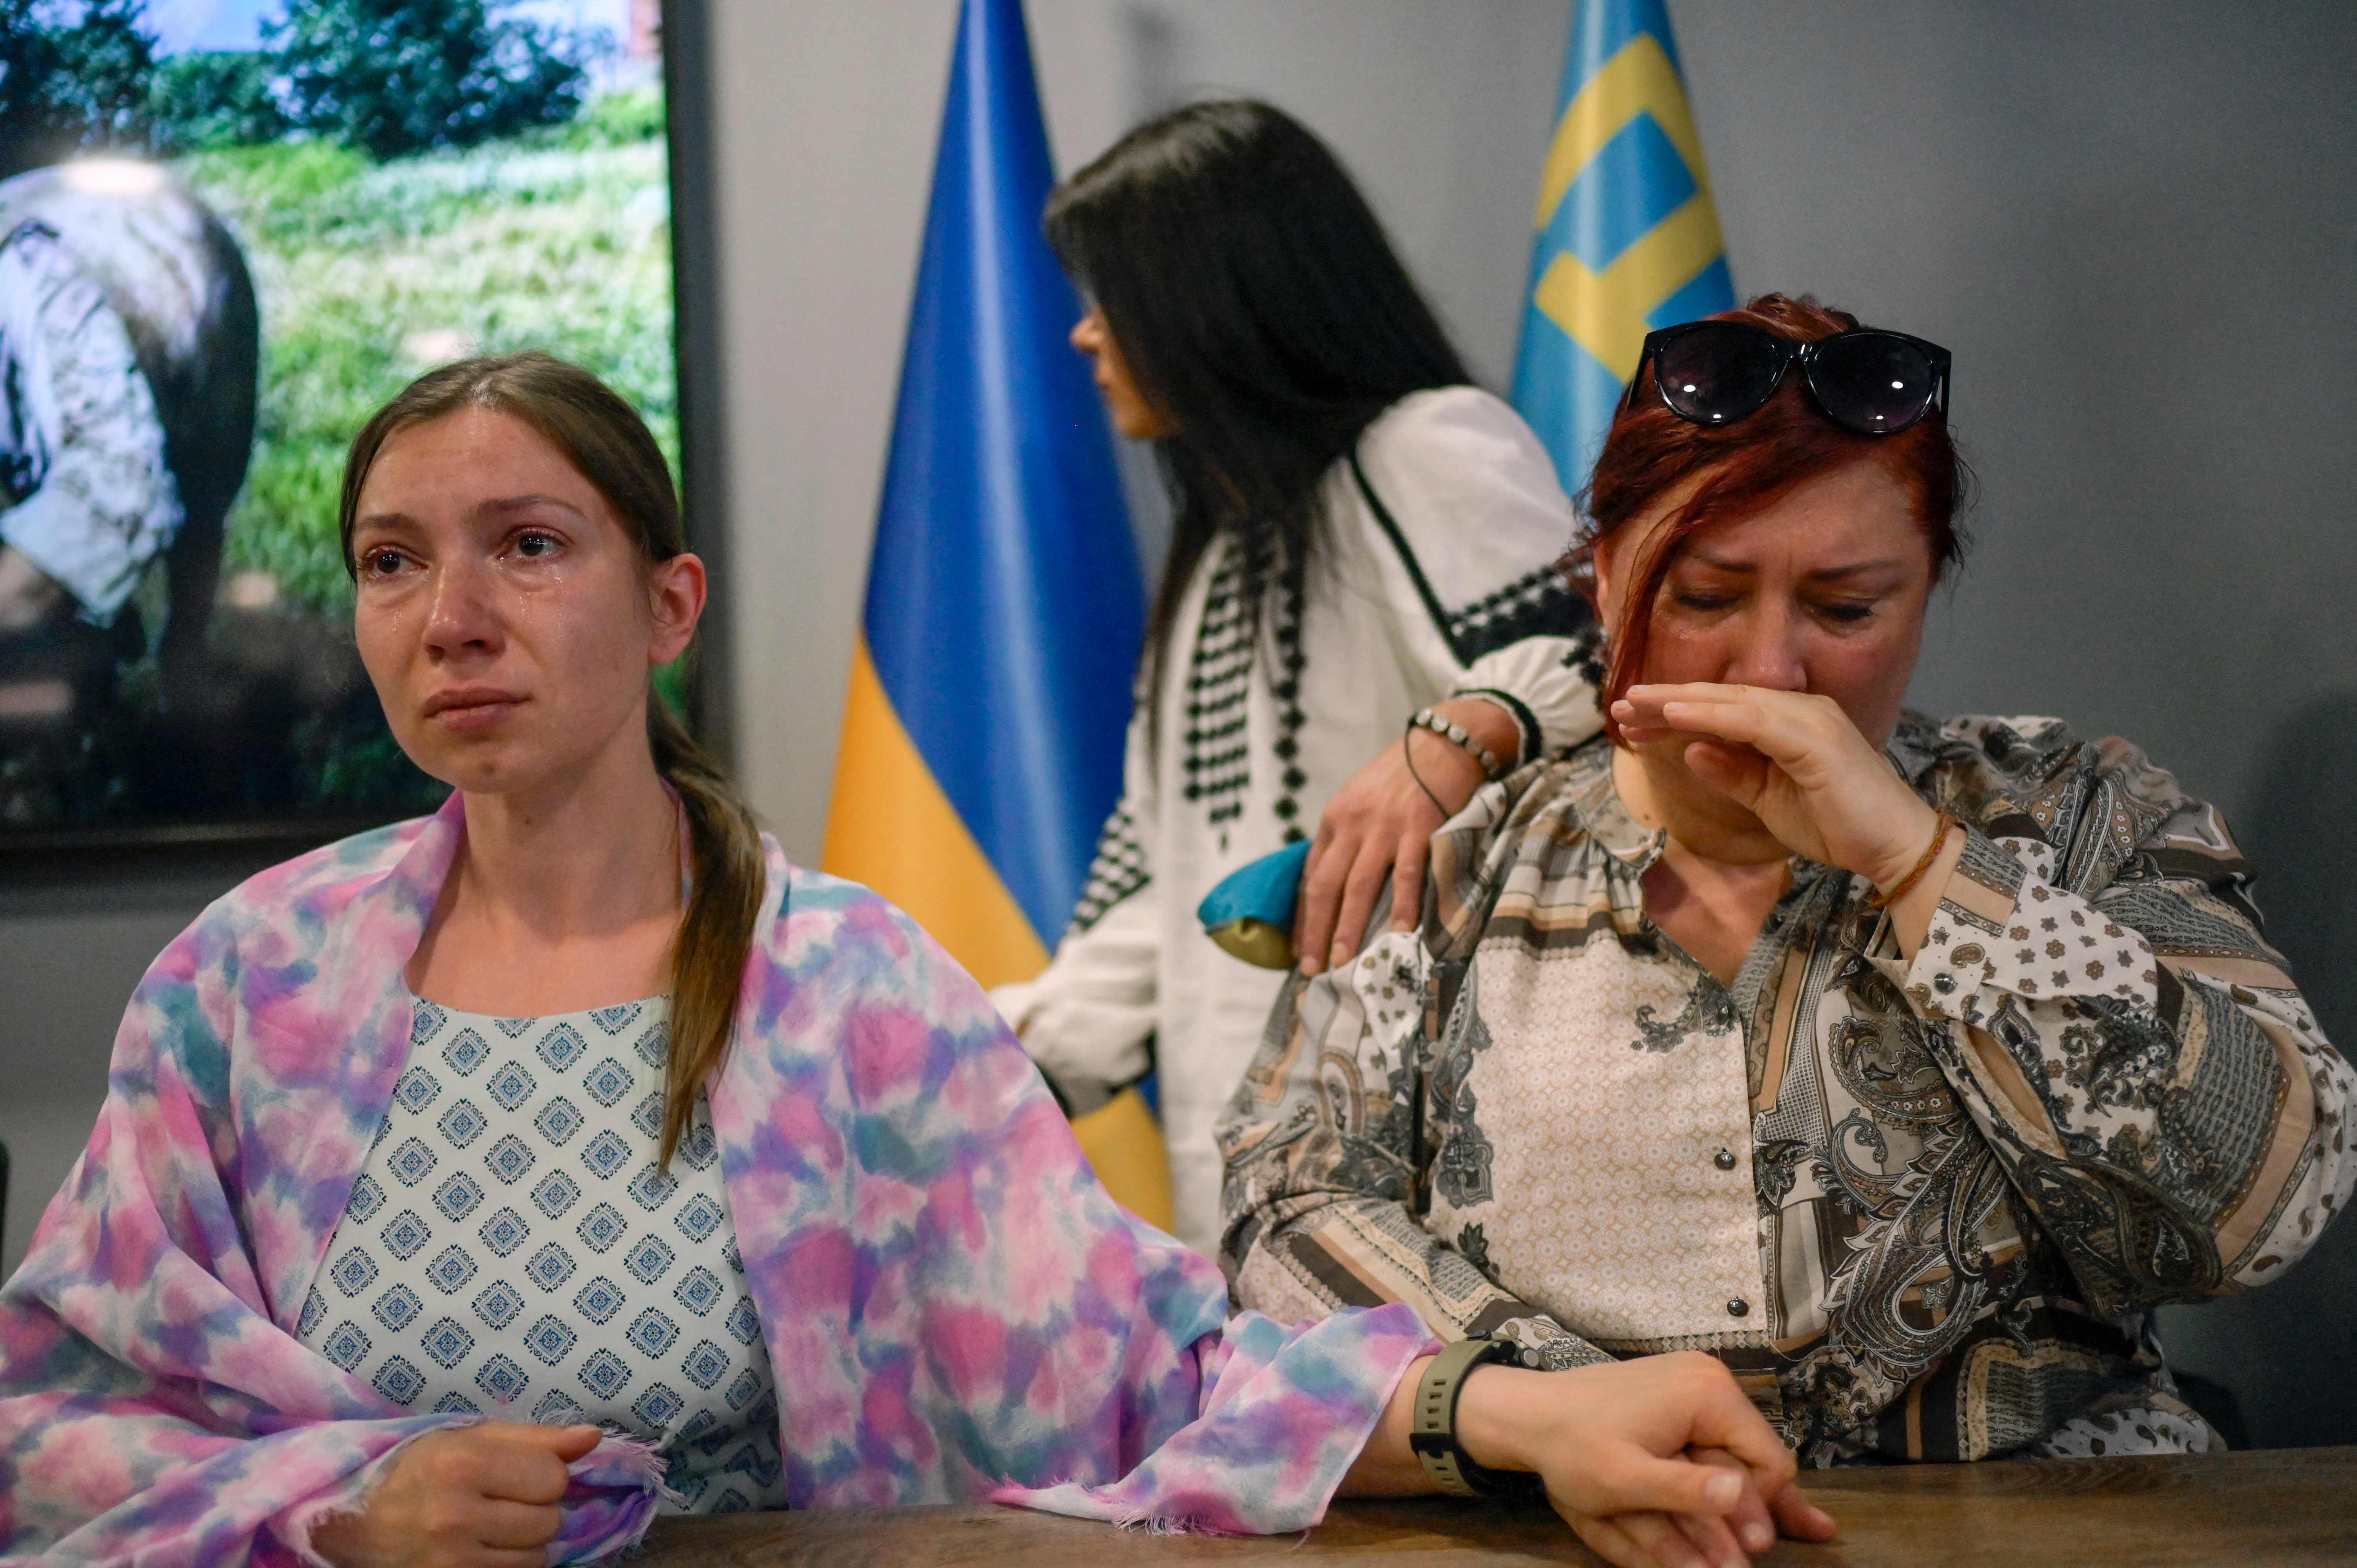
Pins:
x,y
1628,240
981,738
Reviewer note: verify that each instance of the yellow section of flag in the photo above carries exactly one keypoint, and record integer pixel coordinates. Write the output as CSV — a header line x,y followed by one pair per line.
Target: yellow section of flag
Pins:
x,y
1125,1147
891,828
1639,80
1626,237
1605,312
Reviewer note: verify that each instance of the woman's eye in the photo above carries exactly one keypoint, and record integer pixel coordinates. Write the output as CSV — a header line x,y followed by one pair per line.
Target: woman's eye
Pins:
x,y
1847,614
1695,601
531,546
383,562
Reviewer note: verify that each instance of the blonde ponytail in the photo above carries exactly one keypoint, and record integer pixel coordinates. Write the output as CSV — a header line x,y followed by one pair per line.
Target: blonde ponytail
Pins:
x,y
716,929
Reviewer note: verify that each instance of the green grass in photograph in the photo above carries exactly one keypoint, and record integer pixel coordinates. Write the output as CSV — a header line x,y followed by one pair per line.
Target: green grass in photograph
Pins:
x,y
369,274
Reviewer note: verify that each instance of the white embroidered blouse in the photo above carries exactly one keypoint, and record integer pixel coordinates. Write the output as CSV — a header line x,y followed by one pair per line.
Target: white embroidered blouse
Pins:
x,y
509,1247
1435,576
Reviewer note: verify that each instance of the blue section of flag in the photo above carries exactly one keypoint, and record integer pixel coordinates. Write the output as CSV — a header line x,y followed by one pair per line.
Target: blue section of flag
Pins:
x,y
1712,290
1003,607
1556,380
1634,181
1600,31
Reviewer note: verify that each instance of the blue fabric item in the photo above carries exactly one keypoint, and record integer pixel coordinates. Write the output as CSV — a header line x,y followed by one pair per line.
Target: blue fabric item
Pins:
x,y
1250,913
1005,606
1265,890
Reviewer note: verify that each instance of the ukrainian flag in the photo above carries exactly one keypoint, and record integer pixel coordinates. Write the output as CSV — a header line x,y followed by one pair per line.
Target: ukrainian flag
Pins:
x,y
990,689
1628,240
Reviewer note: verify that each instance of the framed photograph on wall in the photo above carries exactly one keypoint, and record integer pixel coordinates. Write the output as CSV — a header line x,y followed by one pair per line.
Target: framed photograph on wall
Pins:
x,y
228,230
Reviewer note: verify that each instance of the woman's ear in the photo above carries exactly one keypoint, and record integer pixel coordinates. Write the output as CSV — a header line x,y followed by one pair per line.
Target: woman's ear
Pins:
x,y
1603,565
675,595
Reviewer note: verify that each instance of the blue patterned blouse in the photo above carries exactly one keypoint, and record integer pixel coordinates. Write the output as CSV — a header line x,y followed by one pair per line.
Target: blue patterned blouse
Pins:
x,y
509,1247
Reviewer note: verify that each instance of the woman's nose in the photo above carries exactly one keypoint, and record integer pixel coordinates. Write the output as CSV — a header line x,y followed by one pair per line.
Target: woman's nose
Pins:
x,y
462,616
1768,653
1084,336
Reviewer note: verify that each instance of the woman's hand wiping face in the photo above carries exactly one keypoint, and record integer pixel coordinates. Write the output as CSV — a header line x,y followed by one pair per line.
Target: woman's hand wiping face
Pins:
x,y
1822,592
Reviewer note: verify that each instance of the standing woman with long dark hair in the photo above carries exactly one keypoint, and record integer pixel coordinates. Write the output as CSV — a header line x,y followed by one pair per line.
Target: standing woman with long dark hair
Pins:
x,y
1361,539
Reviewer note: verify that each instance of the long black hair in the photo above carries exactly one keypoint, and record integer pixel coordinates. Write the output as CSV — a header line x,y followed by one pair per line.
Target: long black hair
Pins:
x,y
1259,306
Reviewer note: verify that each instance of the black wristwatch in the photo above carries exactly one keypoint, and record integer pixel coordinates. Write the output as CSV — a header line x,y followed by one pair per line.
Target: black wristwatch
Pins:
x,y
1432,1432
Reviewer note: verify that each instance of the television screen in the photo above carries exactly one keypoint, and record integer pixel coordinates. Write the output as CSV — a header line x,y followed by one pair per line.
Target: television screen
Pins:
x,y
228,230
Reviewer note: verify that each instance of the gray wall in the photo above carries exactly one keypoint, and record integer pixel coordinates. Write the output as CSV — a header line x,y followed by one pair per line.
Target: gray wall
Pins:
x,y
2132,224
2137,239
70,950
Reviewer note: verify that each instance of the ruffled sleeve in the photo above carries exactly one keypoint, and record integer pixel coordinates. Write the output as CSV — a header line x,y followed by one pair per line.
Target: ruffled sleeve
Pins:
x,y
1469,522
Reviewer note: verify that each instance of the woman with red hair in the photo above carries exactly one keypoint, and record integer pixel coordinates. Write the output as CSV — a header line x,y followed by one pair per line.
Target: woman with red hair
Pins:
x,y
1901,1066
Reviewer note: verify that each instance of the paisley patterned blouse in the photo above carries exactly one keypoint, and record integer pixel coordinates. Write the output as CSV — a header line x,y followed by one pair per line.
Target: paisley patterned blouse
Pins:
x,y
1921,1207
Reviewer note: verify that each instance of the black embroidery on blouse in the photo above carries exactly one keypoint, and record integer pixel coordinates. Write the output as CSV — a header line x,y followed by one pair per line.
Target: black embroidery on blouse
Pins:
x,y
1219,682
1586,655
1286,689
1539,603
1218,762
1118,870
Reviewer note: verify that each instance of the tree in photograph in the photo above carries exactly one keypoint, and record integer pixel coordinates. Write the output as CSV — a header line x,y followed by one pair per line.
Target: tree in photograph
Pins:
x,y
71,80
394,77
215,98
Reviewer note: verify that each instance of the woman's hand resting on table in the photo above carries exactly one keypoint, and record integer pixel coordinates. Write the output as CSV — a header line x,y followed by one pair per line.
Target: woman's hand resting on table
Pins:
x,y
1658,1462
1379,825
1795,760
471,1496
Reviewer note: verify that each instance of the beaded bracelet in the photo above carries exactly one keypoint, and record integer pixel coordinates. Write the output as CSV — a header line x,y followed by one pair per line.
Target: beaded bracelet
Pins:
x,y
1458,735
1527,735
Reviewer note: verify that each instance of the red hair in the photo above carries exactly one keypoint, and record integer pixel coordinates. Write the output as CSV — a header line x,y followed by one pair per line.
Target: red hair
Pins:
x,y
1744,466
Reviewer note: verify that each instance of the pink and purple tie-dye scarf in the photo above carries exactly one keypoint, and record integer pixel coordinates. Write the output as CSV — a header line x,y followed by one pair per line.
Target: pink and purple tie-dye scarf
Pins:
x,y
953,1306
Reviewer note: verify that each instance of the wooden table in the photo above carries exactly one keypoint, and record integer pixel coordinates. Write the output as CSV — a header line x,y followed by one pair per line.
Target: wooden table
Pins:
x,y
2287,1506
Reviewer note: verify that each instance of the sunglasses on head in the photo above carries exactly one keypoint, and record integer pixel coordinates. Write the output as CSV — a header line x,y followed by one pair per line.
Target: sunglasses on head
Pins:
x,y
1868,379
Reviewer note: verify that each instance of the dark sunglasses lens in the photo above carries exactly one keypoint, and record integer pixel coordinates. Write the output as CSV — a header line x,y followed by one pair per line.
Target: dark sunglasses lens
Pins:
x,y
1718,373
1872,381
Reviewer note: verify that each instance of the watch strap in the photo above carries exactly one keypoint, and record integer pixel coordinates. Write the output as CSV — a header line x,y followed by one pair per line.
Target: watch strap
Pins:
x,y
1432,1428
